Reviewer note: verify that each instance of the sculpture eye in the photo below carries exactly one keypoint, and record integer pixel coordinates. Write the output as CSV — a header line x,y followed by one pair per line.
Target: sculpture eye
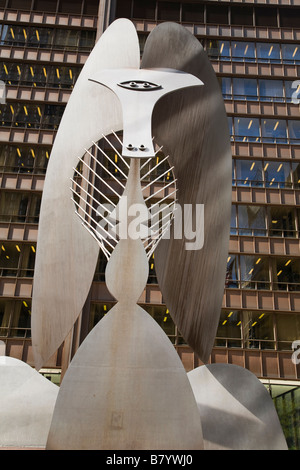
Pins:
x,y
139,85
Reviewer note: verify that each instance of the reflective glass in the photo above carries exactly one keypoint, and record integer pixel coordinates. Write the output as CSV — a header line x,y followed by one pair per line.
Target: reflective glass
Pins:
x,y
246,129
21,319
287,274
267,52
294,131
258,330
271,90
296,174
229,328
292,91
232,276
244,88
249,173
5,315
288,329
244,51
254,272
224,50
277,174
252,220
282,222
226,87
290,53
274,130
233,223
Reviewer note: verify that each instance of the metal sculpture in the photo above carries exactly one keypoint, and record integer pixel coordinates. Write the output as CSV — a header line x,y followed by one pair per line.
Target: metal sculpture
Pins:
x,y
126,387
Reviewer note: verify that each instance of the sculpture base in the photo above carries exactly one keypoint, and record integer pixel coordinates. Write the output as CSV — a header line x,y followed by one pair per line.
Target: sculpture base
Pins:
x,y
126,388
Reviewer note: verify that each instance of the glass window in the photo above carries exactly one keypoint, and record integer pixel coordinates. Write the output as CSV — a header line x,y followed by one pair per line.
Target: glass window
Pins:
x,y
13,206
21,319
5,315
249,173
267,52
162,316
289,17
294,131
192,12
245,88
252,220
226,87
271,90
296,174
282,222
224,50
290,53
288,330
233,222
287,274
265,16
292,91
232,276
243,51
123,9
168,11
144,10
45,5
277,174
217,15
274,130
229,329
254,272
9,259
98,311
241,15
70,6
258,330
246,129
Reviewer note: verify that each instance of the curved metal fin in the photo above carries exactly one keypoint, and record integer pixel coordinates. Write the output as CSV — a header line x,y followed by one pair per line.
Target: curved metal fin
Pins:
x,y
66,253
192,127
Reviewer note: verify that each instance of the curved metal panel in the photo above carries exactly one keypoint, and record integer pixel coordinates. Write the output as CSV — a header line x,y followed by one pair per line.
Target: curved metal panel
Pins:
x,y
236,410
192,127
66,253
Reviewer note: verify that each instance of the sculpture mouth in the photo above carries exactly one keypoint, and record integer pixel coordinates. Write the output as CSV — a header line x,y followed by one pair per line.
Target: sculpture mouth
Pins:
x,y
101,195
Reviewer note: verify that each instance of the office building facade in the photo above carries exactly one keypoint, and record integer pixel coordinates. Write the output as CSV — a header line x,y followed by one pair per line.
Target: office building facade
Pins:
x,y
255,51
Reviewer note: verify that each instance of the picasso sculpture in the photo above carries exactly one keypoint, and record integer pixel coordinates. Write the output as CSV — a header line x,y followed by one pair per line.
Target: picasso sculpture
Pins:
x,y
126,387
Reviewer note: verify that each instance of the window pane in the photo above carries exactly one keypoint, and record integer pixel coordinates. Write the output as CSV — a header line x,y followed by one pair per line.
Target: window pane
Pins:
x,y
287,274
233,223
296,174
229,328
277,174
265,16
251,220
288,330
249,173
169,11
258,331
292,90
271,90
290,53
21,319
241,15
294,131
246,129
217,15
254,272
5,315
145,9
243,51
274,130
244,88
45,5
232,272
162,316
224,50
282,223
226,87
267,52
192,12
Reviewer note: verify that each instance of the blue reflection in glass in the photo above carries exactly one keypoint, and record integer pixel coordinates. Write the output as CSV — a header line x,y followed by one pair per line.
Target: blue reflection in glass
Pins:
x,y
267,52
245,88
243,51
274,130
271,90
290,53
247,129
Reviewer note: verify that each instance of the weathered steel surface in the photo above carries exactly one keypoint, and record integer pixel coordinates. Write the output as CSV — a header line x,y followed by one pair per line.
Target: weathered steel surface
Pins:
x,y
66,253
236,410
192,127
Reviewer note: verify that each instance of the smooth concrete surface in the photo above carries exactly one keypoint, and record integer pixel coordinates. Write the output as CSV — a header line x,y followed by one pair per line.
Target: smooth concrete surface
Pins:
x,y
236,410
192,127
66,254
27,402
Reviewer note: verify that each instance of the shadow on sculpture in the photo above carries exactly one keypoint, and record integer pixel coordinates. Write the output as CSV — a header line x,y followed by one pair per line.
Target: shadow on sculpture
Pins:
x,y
126,387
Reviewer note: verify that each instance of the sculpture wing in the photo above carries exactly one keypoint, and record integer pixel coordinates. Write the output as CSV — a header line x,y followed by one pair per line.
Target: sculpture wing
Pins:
x,y
192,127
66,254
